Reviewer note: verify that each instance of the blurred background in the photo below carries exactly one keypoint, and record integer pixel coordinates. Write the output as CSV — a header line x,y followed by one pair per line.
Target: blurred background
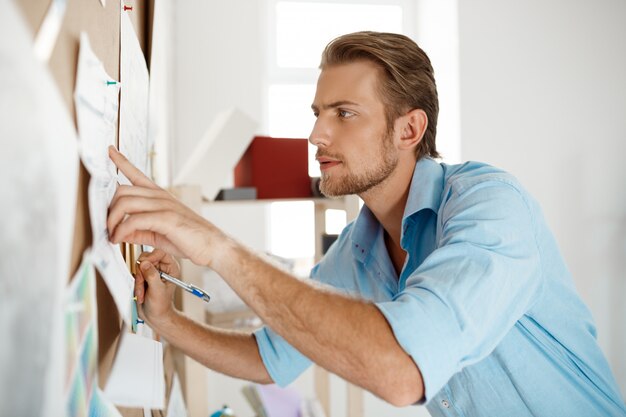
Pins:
x,y
535,87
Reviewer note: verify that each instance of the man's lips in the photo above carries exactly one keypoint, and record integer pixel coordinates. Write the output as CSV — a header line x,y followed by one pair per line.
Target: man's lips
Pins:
x,y
327,163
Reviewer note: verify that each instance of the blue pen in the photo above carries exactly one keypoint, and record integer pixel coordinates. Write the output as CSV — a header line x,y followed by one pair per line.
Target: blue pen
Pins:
x,y
185,286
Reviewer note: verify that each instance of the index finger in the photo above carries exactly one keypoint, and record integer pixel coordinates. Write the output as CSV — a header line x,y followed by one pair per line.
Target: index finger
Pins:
x,y
131,172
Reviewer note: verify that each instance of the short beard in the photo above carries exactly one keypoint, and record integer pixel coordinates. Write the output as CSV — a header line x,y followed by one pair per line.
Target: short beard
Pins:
x,y
354,183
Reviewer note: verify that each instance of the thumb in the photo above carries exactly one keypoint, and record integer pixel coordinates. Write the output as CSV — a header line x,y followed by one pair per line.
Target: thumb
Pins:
x,y
150,273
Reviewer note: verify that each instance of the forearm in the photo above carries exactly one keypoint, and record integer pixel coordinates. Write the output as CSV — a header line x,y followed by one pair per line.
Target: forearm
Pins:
x,y
228,352
347,336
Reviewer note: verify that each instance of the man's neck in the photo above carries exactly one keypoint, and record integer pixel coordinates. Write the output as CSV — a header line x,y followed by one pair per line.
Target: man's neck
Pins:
x,y
387,202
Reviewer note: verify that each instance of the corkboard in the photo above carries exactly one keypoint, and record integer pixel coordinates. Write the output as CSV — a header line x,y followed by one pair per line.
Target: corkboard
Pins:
x,y
102,24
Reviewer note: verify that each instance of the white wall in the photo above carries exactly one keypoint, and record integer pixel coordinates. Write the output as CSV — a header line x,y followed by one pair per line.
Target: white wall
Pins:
x,y
543,95
219,64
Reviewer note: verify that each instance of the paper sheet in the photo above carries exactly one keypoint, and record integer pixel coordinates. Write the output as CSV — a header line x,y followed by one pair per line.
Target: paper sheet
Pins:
x,y
96,99
137,378
160,105
133,100
39,167
82,395
110,263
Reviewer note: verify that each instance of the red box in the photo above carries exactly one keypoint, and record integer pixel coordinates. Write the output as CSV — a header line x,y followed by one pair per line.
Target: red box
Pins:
x,y
277,168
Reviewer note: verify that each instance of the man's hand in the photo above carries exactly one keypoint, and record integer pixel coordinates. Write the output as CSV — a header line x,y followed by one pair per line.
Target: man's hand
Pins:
x,y
144,213
154,297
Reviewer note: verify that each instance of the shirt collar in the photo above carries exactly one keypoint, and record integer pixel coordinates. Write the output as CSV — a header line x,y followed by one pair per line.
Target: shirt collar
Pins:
x,y
424,193
426,187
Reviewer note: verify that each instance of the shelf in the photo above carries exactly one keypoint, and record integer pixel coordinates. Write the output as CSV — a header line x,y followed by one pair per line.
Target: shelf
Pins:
x,y
329,203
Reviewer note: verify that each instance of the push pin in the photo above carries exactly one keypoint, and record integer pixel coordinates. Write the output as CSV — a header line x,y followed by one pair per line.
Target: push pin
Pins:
x,y
128,8
111,82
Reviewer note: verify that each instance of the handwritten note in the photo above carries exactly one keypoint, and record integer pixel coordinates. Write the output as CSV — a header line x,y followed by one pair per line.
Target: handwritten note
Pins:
x,y
134,99
96,98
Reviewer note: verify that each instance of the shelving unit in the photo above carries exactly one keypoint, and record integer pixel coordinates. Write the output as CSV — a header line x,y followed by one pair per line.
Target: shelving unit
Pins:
x,y
192,374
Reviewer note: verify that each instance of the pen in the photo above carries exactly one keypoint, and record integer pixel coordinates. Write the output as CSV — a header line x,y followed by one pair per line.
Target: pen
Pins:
x,y
185,286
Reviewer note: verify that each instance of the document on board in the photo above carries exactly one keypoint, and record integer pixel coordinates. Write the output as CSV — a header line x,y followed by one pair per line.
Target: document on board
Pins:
x,y
96,98
83,397
39,167
137,378
135,86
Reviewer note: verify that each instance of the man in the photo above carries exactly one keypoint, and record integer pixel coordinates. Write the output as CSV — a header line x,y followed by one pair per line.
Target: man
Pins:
x,y
450,288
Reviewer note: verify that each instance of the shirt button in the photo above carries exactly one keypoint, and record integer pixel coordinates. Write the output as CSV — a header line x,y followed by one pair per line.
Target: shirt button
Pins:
x,y
445,403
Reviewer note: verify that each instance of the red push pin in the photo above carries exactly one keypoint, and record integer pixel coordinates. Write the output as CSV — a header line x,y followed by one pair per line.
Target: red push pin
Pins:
x,y
128,8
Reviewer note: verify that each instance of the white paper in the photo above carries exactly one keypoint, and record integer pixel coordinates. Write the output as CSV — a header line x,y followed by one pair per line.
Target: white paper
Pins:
x,y
160,105
137,378
111,265
39,167
133,100
49,30
96,99
176,405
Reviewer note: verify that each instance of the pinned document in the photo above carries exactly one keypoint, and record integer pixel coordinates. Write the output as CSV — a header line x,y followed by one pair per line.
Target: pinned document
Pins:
x,y
135,87
96,97
83,397
137,378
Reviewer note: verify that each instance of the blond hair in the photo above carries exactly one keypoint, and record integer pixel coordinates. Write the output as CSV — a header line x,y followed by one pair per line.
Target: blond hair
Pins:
x,y
408,80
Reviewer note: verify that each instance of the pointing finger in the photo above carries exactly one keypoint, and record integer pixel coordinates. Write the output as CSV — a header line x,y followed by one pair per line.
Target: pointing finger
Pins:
x,y
131,172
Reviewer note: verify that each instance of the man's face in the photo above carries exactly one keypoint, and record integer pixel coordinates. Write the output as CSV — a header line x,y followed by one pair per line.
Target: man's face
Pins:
x,y
354,147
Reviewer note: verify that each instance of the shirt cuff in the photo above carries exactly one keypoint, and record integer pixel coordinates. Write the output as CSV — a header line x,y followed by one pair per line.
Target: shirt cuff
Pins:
x,y
282,361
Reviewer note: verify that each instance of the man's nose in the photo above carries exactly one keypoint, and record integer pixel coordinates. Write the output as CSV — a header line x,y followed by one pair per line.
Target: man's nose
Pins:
x,y
320,136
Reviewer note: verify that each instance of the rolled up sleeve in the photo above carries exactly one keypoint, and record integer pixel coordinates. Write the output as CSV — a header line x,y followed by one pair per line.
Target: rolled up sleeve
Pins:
x,y
283,362
468,293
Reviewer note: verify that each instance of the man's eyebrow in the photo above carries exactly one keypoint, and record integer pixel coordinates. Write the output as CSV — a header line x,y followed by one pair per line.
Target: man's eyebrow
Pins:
x,y
334,104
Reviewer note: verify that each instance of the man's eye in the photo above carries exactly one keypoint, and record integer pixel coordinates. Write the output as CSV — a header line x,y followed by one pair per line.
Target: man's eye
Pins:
x,y
344,114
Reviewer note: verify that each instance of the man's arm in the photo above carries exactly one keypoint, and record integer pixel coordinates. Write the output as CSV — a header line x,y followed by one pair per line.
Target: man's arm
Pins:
x,y
228,352
349,337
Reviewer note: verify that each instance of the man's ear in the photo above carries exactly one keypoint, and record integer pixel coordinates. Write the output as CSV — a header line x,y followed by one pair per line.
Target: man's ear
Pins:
x,y
412,127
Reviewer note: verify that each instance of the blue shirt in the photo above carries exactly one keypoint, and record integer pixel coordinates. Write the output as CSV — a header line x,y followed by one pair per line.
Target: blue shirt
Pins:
x,y
484,305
